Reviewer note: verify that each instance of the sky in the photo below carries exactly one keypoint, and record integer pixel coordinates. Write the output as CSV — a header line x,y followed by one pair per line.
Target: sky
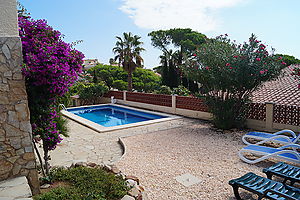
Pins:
x,y
98,22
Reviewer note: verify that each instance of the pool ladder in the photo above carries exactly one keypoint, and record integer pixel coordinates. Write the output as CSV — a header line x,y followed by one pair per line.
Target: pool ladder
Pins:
x,y
113,100
63,106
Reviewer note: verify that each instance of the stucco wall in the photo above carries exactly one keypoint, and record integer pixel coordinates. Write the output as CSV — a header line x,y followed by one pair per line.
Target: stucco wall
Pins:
x,y
8,18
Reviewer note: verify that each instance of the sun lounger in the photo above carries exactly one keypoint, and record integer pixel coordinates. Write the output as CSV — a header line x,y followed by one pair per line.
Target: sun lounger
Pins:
x,y
286,171
287,152
264,188
281,137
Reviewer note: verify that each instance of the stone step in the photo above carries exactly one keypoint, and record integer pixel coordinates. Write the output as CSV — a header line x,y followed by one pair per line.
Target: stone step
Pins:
x,y
15,189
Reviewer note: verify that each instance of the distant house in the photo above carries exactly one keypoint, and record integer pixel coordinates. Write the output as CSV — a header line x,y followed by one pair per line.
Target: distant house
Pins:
x,y
88,63
283,90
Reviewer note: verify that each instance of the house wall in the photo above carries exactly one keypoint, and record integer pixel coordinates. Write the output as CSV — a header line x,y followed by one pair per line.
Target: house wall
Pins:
x,y
16,150
8,19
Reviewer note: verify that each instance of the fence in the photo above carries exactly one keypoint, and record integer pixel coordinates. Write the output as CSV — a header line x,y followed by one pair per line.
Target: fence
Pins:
x,y
261,116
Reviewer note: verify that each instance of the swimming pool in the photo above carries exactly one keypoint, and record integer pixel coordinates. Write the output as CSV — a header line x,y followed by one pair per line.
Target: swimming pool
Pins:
x,y
110,115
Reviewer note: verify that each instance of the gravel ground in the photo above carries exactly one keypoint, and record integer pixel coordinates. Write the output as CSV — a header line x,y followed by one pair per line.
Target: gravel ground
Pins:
x,y
157,158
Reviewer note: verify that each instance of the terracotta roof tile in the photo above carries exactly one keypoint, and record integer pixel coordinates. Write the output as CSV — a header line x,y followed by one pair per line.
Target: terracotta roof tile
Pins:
x,y
283,90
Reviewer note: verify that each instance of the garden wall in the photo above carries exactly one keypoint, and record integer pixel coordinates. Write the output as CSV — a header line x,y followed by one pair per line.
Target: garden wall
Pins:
x,y
16,151
261,116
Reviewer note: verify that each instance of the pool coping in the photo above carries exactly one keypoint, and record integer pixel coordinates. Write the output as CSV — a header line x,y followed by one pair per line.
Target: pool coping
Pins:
x,y
102,129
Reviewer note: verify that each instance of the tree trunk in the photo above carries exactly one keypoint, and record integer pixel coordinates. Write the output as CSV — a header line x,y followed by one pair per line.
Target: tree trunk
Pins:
x,y
129,80
39,157
46,159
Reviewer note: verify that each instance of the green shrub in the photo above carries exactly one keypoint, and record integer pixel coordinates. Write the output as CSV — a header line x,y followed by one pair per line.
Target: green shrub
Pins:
x,y
229,73
86,183
164,90
60,193
62,125
181,91
91,92
144,80
289,60
120,85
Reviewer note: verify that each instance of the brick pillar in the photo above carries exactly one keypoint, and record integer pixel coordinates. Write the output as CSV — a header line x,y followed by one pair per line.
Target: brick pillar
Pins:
x,y
124,95
269,116
174,103
16,151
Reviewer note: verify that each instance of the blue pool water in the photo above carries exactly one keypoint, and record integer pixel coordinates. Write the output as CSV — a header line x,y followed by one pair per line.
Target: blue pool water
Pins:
x,y
110,115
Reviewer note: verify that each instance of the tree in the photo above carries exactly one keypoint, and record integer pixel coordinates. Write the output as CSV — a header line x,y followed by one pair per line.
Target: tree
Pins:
x,y
51,66
289,60
229,73
168,69
175,44
128,50
144,80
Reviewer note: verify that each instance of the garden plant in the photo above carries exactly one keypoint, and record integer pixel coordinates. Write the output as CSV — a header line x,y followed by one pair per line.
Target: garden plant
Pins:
x,y
51,66
229,73
128,54
115,77
84,183
174,44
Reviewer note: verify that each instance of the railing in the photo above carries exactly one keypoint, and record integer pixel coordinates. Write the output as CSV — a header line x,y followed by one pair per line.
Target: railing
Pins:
x,y
155,99
267,115
191,103
116,94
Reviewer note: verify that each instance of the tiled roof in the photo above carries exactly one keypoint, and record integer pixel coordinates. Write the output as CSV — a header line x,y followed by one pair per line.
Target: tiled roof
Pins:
x,y
283,90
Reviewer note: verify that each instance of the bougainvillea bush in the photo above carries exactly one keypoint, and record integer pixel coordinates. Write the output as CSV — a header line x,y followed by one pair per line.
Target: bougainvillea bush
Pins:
x,y
51,66
229,73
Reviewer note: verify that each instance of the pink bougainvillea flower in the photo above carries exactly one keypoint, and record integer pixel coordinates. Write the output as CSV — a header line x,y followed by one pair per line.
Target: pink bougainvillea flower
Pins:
x,y
283,63
235,56
230,67
207,68
194,54
257,59
261,71
279,58
227,64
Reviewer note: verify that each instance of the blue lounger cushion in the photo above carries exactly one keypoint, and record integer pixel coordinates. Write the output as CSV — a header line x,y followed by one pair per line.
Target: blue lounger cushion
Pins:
x,y
281,137
287,152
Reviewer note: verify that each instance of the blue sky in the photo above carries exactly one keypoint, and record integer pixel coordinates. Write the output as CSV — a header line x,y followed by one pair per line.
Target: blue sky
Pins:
x,y
97,22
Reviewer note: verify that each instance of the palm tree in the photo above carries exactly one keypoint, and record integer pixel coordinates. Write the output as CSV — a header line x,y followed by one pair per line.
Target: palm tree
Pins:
x,y
127,51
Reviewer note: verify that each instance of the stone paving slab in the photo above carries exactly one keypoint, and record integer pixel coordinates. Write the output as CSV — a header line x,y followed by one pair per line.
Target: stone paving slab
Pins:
x,y
86,144
15,189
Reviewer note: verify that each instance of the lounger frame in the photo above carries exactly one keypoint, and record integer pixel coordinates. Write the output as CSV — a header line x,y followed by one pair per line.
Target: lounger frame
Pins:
x,y
291,148
278,135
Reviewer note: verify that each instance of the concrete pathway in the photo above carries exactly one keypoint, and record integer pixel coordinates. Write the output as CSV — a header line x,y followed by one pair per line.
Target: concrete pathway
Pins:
x,y
84,144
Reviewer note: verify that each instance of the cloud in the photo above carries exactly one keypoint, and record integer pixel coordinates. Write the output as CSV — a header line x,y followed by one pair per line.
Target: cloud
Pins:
x,y
164,14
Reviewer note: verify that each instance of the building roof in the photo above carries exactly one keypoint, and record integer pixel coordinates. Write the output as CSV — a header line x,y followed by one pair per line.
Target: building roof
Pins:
x,y
283,90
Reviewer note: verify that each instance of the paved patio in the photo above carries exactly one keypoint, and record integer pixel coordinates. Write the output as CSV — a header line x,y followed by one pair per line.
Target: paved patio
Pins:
x,y
84,144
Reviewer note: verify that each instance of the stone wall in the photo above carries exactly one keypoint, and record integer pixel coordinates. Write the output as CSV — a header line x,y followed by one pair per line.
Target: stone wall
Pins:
x,y
16,151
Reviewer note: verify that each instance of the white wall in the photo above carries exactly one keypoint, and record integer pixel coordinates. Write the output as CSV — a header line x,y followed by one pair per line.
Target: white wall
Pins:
x,y
8,18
